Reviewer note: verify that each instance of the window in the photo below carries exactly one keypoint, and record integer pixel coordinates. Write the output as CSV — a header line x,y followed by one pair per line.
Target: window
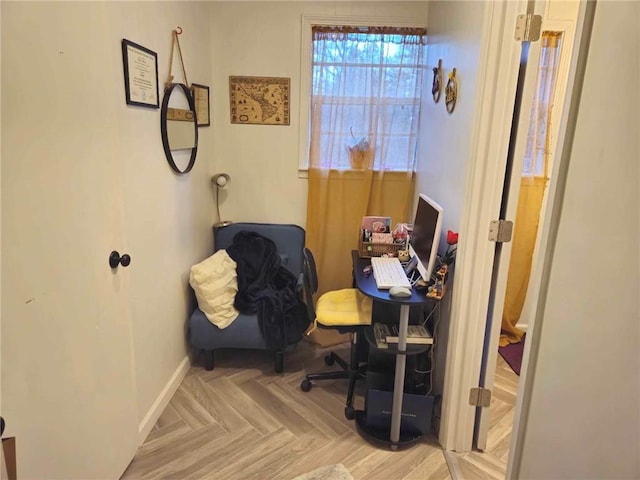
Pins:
x,y
537,151
365,86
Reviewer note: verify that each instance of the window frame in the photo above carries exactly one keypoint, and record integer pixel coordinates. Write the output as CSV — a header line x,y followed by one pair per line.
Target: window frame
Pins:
x,y
567,28
306,64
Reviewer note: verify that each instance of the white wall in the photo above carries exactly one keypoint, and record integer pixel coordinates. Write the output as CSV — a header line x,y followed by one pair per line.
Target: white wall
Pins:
x,y
561,10
584,417
454,33
263,39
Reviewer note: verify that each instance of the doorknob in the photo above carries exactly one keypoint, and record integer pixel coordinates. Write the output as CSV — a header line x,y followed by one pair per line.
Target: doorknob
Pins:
x,y
115,259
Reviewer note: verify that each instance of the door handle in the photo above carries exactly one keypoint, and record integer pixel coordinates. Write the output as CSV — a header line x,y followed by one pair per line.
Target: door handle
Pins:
x,y
115,259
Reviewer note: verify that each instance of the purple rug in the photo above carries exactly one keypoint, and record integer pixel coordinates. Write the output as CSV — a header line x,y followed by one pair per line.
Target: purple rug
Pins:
x,y
512,354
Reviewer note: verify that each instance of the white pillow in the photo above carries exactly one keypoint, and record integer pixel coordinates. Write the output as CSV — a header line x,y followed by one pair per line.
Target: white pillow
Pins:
x,y
215,282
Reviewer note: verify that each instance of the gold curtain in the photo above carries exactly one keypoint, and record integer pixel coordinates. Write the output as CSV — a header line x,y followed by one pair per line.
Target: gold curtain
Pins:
x,y
337,201
524,241
364,130
532,189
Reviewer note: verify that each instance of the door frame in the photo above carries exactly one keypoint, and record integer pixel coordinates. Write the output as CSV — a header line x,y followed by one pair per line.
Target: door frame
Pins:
x,y
494,105
520,132
523,103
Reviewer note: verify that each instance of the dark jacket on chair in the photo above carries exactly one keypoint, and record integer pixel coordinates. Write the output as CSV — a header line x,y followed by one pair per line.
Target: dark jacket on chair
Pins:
x,y
267,288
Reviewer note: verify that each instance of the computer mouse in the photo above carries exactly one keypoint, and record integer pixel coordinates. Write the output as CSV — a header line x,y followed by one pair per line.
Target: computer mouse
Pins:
x,y
400,292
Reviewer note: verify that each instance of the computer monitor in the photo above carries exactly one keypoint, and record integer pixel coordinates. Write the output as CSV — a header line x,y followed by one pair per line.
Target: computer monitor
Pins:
x,y
427,227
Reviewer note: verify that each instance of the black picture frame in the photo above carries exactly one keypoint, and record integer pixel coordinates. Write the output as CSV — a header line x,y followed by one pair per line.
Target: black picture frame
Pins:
x,y
200,95
140,75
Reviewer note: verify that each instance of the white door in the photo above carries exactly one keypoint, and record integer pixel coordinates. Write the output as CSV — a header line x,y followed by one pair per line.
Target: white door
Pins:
x,y
68,391
530,83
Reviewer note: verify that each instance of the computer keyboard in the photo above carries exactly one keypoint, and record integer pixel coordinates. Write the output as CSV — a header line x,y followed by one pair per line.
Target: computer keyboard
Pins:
x,y
388,273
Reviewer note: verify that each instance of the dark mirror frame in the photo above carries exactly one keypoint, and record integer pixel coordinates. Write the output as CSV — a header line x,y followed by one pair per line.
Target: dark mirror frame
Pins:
x,y
163,127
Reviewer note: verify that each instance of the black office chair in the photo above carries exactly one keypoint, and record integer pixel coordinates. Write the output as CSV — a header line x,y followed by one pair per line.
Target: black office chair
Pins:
x,y
347,311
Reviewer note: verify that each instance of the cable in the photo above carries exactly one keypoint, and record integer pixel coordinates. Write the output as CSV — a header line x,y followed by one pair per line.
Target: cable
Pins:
x,y
412,278
432,350
426,319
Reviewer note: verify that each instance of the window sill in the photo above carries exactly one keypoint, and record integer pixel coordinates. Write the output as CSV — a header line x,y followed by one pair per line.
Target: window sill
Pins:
x,y
304,172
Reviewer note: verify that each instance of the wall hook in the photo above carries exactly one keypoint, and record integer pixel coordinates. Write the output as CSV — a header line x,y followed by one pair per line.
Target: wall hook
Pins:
x,y
179,30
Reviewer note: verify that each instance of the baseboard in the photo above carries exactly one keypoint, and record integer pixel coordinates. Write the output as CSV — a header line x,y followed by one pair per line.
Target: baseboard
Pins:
x,y
522,326
162,401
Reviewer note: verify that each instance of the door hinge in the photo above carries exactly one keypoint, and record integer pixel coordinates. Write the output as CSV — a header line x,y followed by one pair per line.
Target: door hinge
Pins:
x,y
480,397
528,27
500,231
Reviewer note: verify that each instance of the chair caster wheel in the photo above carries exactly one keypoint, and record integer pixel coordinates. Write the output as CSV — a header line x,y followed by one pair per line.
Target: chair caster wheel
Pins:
x,y
329,360
305,385
349,412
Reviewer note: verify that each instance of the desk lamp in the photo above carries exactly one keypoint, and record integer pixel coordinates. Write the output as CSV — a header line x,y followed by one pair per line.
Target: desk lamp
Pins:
x,y
220,180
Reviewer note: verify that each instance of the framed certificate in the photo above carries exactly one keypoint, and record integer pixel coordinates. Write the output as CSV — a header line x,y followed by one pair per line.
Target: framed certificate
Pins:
x,y
140,75
201,99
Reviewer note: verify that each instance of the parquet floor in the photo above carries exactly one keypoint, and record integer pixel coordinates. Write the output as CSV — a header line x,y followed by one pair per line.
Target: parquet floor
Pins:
x,y
244,421
492,463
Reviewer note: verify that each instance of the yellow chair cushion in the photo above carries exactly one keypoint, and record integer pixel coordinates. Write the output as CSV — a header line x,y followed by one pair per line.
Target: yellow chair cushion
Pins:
x,y
343,307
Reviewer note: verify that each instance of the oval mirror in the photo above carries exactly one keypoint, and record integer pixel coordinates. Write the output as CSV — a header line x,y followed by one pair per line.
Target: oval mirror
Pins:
x,y
179,128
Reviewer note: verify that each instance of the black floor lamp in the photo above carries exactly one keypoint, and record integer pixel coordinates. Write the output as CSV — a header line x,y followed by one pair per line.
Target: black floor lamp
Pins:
x,y
220,180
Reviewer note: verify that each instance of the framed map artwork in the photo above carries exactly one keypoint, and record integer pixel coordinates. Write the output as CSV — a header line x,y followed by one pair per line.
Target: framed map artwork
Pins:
x,y
259,100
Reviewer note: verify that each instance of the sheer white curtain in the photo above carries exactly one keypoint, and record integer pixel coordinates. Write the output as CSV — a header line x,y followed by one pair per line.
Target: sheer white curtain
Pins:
x,y
366,93
365,110
538,139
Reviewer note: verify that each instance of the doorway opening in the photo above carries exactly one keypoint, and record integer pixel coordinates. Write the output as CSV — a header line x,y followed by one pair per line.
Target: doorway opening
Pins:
x,y
535,167
531,205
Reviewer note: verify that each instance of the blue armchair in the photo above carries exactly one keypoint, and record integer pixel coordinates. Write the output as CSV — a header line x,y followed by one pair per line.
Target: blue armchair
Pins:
x,y
245,331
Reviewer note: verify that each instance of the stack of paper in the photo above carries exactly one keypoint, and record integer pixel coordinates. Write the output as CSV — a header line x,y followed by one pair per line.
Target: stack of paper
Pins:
x,y
416,334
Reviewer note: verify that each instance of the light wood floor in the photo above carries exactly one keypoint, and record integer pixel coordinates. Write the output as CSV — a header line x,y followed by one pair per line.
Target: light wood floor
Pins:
x,y
244,421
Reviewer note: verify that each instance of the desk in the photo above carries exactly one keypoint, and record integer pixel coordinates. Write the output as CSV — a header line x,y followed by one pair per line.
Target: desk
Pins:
x,y
367,285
